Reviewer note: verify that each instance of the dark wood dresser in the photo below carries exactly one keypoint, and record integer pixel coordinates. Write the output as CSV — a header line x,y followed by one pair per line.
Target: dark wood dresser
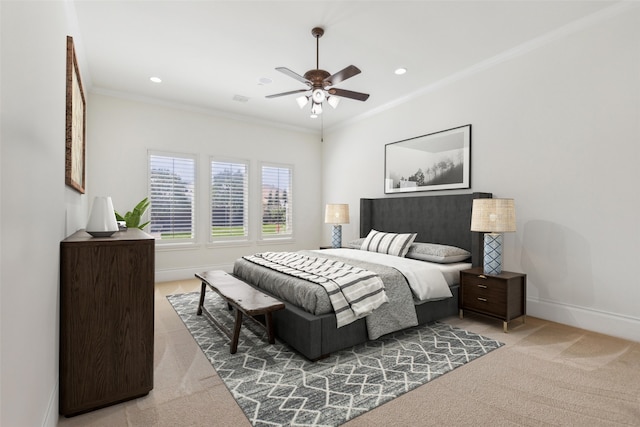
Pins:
x,y
106,319
502,296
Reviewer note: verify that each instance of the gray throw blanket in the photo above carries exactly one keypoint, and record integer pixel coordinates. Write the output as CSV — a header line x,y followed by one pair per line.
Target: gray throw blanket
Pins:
x,y
354,292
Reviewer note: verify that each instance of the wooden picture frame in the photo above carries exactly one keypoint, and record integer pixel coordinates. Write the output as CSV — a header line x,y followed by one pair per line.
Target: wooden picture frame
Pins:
x,y
75,168
436,161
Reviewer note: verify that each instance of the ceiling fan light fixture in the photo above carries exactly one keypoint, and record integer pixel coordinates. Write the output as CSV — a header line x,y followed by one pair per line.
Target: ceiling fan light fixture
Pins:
x,y
333,101
316,109
318,96
302,101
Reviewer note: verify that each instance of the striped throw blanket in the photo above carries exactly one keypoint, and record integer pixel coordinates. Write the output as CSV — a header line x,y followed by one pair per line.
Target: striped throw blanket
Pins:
x,y
353,292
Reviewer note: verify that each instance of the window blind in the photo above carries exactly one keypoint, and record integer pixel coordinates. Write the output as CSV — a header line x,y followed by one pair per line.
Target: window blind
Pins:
x,y
229,200
277,201
171,188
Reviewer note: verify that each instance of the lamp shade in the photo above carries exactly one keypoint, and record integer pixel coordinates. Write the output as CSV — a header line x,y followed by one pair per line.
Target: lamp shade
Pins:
x,y
493,215
102,219
336,214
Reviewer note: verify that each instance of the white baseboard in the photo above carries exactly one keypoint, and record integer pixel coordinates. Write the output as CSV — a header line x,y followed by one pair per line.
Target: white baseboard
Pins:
x,y
613,324
169,275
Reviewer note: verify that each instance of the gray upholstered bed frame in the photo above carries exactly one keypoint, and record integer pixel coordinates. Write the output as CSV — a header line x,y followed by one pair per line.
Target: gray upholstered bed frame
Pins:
x,y
436,219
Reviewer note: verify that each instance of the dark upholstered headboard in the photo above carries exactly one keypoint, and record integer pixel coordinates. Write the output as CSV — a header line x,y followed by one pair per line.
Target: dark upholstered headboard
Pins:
x,y
437,219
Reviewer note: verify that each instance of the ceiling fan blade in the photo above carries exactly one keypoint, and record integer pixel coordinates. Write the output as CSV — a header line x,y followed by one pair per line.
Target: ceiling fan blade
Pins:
x,y
342,75
293,74
349,94
286,93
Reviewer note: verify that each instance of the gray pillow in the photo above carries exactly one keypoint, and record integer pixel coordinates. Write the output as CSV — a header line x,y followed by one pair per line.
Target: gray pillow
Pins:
x,y
433,252
354,244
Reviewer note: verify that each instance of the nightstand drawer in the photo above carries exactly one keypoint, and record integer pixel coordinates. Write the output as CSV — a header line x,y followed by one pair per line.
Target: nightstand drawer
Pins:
x,y
485,296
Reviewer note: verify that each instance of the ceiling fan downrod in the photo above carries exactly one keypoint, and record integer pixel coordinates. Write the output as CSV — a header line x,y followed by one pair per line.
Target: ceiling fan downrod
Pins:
x,y
317,32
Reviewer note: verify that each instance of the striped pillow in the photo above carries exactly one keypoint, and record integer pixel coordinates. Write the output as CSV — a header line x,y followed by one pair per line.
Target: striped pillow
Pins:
x,y
388,243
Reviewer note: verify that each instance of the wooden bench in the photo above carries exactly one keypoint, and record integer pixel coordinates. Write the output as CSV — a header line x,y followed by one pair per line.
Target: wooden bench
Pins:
x,y
244,298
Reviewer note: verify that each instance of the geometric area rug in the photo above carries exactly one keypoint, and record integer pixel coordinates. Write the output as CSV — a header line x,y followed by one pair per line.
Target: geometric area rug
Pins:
x,y
276,386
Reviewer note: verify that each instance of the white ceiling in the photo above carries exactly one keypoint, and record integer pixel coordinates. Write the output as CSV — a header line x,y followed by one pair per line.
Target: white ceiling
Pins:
x,y
207,52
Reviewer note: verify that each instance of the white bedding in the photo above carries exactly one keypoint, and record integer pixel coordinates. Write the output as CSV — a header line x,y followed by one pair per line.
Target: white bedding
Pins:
x,y
428,281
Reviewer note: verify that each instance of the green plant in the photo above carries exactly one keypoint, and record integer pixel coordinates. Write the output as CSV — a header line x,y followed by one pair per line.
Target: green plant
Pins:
x,y
132,218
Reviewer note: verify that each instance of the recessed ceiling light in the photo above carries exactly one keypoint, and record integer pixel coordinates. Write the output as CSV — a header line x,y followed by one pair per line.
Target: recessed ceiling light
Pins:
x,y
400,71
156,79
264,81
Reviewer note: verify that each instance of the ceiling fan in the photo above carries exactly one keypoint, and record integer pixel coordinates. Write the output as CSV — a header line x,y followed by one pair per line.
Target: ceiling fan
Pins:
x,y
321,84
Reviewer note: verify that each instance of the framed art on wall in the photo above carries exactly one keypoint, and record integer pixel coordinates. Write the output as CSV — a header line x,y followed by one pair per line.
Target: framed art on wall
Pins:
x,y
436,161
74,173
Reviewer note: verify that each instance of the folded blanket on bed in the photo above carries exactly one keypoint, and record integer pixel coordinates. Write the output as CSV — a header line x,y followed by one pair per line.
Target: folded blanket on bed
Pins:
x,y
353,292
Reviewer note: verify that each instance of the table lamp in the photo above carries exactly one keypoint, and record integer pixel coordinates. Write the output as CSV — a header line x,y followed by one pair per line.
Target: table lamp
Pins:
x,y
493,216
336,214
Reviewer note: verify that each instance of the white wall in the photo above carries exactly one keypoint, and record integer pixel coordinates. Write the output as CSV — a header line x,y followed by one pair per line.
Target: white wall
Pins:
x,y
557,127
121,132
36,207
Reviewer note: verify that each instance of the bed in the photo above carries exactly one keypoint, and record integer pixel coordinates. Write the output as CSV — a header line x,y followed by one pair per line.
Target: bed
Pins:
x,y
443,219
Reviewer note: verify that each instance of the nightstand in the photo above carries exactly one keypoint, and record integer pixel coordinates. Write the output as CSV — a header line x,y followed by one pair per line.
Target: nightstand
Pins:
x,y
502,296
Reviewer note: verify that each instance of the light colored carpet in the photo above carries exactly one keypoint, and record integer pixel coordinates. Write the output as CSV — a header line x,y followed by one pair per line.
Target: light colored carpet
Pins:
x,y
276,386
546,374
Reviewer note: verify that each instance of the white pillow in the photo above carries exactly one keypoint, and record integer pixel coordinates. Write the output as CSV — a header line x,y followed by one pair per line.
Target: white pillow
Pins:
x,y
432,252
388,243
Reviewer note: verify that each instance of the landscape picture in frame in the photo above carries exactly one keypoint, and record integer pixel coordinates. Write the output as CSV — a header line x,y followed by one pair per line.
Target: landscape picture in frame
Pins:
x,y
436,161
74,174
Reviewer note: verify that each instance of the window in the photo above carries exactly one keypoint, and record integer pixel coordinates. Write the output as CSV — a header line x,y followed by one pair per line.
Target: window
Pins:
x,y
229,199
171,186
277,202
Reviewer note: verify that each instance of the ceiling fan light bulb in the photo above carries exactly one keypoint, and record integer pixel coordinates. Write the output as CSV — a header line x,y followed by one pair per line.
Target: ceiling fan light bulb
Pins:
x,y
302,101
318,95
316,109
333,101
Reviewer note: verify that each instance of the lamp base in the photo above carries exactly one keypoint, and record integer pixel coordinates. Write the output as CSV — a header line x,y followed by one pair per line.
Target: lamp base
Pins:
x,y
492,253
336,236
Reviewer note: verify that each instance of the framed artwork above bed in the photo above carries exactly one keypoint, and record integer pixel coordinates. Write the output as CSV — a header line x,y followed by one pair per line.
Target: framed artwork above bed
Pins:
x,y
436,161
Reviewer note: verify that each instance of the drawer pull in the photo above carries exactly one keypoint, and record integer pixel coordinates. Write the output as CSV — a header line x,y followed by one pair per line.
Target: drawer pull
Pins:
x,y
482,286
482,276
482,299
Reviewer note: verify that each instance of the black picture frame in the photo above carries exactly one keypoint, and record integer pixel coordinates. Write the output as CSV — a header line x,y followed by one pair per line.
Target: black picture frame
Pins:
x,y
431,162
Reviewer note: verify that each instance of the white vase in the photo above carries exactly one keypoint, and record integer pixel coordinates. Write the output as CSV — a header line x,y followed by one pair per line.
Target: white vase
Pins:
x,y
102,219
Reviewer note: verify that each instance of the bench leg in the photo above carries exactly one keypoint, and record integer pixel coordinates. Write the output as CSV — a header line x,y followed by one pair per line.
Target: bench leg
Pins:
x,y
236,332
269,325
201,303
